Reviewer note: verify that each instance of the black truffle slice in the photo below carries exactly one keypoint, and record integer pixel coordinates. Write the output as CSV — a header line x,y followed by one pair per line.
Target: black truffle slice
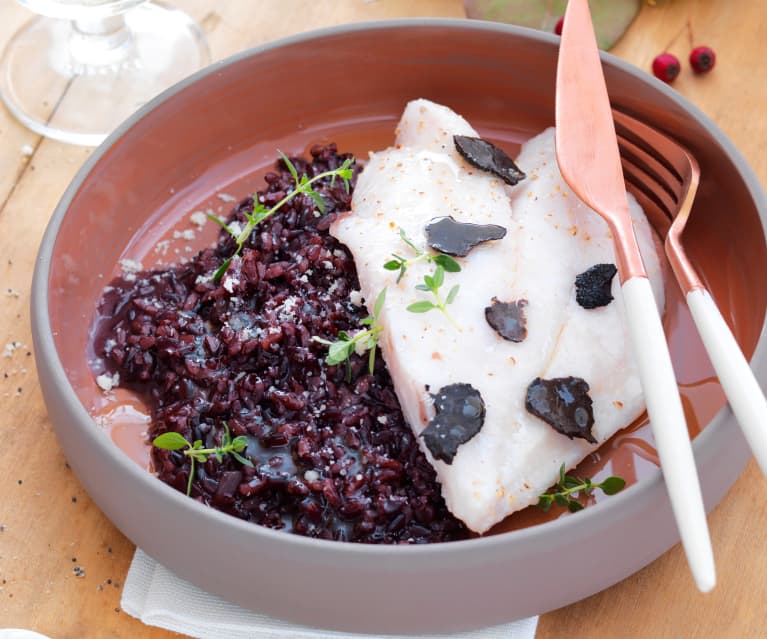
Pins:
x,y
446,235
592,287
508,319
488,157
564,404
460,415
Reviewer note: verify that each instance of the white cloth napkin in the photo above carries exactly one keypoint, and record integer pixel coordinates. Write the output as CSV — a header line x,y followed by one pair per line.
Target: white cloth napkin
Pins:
x,y
156,596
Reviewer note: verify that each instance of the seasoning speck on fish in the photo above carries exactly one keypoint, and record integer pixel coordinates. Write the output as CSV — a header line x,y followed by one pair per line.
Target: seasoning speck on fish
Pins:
x,y
460,414
446,235
564,404
488,157
592,287
508,319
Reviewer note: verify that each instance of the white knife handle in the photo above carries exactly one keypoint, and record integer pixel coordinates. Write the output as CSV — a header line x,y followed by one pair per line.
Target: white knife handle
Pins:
x,y
738,381
669,428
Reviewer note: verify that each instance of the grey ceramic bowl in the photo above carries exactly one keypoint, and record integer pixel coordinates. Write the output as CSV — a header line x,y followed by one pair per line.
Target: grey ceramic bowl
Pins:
x,y
218,130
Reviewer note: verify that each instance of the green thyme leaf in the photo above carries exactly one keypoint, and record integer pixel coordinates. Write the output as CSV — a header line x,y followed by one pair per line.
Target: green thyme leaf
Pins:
x,y
366,340
378,307
340,352
613,485
420,307
451,295
170,441
447,263
289,165
261,213
222,224
318,201
574,506
569,487
242,460
222,269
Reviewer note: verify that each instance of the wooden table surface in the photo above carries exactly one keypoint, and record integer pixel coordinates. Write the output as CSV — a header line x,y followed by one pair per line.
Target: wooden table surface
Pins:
x,y
48,525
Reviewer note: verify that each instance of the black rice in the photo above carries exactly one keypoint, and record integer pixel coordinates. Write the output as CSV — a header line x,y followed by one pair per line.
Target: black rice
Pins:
x,y
332,458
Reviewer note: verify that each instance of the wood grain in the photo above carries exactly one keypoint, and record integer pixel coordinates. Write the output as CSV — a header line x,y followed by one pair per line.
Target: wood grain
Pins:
x,y
49,526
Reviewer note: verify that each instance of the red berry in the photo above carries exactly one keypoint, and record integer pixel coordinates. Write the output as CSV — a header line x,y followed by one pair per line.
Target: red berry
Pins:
x,y
558,27
666,67
702,59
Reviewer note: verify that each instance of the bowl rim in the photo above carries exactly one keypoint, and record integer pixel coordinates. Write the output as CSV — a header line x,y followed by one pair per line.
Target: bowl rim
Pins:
x,y
704,445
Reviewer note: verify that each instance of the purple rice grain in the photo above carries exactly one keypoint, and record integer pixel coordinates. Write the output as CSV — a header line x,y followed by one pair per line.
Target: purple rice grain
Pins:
x,y
332,459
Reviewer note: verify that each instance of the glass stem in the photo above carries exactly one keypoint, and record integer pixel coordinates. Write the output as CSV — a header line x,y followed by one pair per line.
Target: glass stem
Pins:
x,y
100,41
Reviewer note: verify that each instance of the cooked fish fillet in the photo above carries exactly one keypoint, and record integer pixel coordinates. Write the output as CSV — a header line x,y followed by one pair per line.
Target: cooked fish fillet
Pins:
x,y
551,238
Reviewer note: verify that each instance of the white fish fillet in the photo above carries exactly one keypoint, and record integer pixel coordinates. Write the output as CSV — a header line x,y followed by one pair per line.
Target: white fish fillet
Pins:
x,y
551,238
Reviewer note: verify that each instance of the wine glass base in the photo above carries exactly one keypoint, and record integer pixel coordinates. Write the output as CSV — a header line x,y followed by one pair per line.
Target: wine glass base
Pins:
x,y
62,97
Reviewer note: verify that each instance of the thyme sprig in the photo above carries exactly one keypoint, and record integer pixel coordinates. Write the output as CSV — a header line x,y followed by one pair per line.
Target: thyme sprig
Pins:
x,y
570,485
401,264
366,340
431,284
196,453
303,185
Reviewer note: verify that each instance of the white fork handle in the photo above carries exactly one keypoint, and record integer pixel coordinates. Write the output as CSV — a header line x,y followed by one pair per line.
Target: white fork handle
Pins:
x,y
669,428
743,392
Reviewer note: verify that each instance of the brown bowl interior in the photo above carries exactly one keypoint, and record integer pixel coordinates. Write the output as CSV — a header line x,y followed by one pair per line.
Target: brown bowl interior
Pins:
x,y
221,132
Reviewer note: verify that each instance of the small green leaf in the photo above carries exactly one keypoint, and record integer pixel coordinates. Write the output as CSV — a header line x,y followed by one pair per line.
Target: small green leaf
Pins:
x,y
422,287
408,241
428,280
544,502
318,201
392,265
439,276
244,461
562,472
222,224
451,295
320,340
447,263
222,269
289,165
574,506
339,352
368,321
239,443
378,307
561,500
420,307
570,482
372,358
200,457
612,485
170,441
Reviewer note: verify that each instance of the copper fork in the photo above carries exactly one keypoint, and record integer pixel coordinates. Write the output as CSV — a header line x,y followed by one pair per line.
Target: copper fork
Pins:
x,y
664,178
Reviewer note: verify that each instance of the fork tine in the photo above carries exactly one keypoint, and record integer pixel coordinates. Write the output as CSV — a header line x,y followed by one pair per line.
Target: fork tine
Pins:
x,y
657,173
661,148
637,184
